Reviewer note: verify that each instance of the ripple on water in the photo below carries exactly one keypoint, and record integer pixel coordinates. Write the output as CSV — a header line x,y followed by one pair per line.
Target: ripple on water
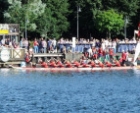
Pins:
x,y
84,92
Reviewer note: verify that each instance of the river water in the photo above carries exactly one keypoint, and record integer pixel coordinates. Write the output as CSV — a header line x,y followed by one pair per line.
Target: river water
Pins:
x,y
69,92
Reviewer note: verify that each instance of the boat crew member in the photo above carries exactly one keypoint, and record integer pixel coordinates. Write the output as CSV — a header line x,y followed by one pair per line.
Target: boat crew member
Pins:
x,y
68,64
84,63
100,52
76,64
123,58
43,63
59,64
111,53
92,63
117,63
108,64
52,63
100,64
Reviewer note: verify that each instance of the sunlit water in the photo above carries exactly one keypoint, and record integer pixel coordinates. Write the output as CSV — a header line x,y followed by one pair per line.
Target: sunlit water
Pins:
x,y
69,92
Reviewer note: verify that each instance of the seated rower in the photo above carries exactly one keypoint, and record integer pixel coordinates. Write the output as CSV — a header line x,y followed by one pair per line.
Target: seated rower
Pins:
x,y
59,63
68,64
100,64
108,64
84,63
92,63
76,64
43,63
52,63
117,63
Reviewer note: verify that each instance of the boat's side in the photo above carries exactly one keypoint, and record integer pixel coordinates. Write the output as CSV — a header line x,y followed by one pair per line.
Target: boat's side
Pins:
x,y
74,68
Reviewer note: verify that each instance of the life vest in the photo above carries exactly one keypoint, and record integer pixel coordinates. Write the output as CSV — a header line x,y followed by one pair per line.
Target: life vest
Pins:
x,y
101,64
108,64
44,64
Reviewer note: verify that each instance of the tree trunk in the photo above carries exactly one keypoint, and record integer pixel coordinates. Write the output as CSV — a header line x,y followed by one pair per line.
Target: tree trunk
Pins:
x,y
109,34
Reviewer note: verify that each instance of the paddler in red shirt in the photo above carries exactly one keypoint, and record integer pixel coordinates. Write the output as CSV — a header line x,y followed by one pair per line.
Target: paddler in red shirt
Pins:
x,y
59,64
43,63
123,57
108,64
84,63
111,53
100,64
68,64
52,63
92,63
117,63
76,64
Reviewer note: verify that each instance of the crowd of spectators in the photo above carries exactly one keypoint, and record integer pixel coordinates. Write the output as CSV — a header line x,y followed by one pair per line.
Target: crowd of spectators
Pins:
x,y
83,45
93,49
42,45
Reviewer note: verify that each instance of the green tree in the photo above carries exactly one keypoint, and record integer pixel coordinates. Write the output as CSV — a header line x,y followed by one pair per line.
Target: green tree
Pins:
x,y
3,7
89,10
109,21
24,13
127,7
53,22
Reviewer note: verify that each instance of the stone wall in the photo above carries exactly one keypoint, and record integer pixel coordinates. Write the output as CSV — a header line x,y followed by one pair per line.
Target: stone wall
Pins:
x,y
73,56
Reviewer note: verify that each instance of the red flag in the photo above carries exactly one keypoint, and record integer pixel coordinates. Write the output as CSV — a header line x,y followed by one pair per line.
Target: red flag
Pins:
x,y
139,26
139,33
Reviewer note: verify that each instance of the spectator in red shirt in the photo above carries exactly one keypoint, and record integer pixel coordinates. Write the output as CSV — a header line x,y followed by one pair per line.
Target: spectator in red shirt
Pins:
x,y
35,45
111,53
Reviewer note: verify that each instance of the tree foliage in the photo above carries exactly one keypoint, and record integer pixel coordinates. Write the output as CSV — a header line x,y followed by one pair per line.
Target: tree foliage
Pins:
x,y
53,22
54,18
109,21
3,7
24,13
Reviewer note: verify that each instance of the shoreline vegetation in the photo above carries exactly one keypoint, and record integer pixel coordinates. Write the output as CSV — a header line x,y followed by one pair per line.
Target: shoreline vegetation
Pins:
x,y
55,19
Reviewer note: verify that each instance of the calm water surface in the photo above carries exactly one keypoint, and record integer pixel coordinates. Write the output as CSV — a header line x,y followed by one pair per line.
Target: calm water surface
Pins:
x,y
69,92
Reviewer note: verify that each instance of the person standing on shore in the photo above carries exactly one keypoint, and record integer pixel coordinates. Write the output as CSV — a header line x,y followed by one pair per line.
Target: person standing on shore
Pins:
x,y
44,45
35,45
40,45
